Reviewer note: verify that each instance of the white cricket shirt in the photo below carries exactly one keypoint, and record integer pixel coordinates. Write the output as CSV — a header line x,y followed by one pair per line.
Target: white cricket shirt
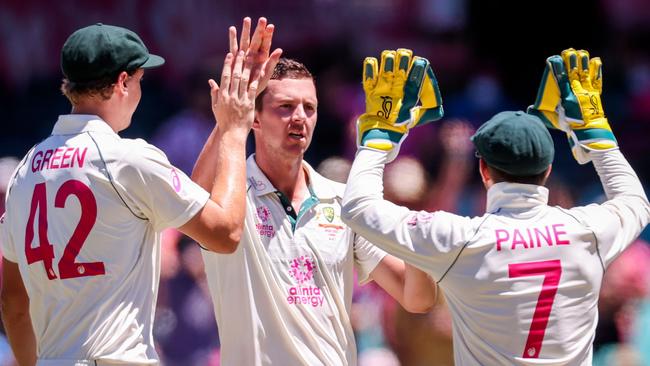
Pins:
x,y
522,281
101,202
284,296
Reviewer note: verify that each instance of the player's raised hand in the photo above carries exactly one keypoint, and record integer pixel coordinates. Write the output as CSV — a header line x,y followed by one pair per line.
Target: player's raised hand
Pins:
x,y
246,70
569,100
233,105
258,48
401,93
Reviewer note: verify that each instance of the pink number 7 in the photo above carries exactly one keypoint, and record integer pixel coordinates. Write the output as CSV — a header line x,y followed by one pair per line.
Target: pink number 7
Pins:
x,y
551,270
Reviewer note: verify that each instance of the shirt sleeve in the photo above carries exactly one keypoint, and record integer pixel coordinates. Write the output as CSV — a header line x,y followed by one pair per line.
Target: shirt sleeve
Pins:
x,y
8,248
426,240
619,221
156,190
366,258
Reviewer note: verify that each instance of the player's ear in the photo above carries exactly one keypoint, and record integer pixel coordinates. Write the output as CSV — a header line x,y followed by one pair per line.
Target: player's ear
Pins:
x,y
121,80
256,120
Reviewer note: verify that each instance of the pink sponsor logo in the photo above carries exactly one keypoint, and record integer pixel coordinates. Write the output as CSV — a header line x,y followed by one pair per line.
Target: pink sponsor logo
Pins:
x,y
302,270
264,228
176,181
263,213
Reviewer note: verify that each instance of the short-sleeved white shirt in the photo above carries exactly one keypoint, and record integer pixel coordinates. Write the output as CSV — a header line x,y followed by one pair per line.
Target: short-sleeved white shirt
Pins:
x,y
522,281
284,297
101,202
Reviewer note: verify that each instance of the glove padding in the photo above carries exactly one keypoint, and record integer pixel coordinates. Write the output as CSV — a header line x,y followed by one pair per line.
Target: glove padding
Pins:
x,y
400,94
570,101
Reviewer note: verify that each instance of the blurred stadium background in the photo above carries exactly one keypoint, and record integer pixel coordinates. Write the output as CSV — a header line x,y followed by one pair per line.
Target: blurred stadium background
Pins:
x,y
488,56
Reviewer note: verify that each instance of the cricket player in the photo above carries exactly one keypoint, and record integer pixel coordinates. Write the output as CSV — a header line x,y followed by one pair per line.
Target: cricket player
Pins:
x,y
522,281
284,296
85,208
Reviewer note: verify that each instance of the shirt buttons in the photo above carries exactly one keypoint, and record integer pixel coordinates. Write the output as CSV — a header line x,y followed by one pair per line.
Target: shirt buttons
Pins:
x,y
289,208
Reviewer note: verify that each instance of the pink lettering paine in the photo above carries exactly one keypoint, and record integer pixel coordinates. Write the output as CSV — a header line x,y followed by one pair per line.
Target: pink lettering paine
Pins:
x,y
558,233
59,158
552,235
501,238
518,239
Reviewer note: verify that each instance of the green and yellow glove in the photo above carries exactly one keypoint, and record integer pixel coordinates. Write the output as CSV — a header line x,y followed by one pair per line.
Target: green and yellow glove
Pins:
x,y
401,93
570,101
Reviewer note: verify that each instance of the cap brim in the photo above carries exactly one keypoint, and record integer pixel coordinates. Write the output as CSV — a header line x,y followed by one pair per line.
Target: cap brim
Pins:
x,y
153,61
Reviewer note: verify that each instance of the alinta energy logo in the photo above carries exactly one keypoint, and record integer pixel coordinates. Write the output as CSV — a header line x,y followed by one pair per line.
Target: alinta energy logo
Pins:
x,y
305,293
264,228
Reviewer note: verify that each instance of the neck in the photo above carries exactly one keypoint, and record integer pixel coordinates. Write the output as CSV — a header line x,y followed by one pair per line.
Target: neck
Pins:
x,y
286,175
103,110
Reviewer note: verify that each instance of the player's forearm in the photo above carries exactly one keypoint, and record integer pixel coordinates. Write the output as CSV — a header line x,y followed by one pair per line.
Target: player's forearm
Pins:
x,y
229,187
419,290
616,174
18,327
205,167
365,210
624,191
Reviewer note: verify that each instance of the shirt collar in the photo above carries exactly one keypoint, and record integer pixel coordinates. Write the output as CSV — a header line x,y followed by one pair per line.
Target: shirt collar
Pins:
x,y
261,185
68,124
507,195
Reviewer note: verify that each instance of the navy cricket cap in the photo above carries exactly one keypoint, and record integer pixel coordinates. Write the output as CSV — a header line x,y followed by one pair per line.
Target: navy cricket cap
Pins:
x,y
101,50
516,143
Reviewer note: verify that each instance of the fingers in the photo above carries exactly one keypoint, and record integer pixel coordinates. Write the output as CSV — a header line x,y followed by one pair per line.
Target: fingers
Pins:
x,y
236,73
260,31
266,39
387,66
386,71
596,74
412,86
264,74
226,73
245,76
570,58
404,60
232,40
414,81
402,65
583,69
369,73
214,92
244,41
557,66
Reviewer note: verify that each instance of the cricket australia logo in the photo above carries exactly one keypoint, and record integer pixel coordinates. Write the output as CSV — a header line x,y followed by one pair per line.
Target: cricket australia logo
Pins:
x,y
386,107
328,212
302,270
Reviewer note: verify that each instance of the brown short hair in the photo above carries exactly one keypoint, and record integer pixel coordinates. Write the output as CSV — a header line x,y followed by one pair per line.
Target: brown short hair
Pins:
x,y
498,175
285,69
102,87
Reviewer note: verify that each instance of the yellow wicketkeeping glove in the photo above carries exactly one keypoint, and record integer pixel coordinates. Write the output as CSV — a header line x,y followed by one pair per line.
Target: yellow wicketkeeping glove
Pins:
x,y
401,93
570,101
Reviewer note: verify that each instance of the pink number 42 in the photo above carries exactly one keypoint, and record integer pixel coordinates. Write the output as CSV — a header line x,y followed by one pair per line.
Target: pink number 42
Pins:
x,y
44,252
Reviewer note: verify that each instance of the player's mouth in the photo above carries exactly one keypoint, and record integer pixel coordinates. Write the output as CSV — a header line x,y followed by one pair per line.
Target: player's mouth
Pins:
x,y
296,136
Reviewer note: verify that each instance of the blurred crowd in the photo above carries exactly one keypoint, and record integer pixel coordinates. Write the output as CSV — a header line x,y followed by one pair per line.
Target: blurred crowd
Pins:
x,y
481,71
